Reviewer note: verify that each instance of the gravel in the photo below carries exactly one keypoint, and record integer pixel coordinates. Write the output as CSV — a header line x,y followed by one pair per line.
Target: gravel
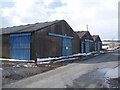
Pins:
x,y
13,73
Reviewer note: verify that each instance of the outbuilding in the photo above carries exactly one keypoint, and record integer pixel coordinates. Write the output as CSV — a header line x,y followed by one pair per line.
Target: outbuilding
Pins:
x,y
39,40
86,41
97,43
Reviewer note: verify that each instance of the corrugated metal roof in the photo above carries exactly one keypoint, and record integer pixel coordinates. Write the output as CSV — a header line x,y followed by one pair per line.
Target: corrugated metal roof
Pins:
x,y
27,28
81,33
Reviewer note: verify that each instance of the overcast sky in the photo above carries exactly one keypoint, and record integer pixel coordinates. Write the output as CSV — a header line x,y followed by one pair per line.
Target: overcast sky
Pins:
x,y
100,15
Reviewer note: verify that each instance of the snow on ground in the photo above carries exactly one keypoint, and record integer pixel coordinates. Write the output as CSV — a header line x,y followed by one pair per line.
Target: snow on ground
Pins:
x,y
26,65
82,54
110,48
44,62
113,73
0,68
62,60
13,60
110,51
111,76
44,59
55,58
102,51
114,48
106,42
104,70
105,47
49,58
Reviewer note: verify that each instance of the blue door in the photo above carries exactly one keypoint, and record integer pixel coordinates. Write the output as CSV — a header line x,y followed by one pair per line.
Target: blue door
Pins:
x,y
20,46
95,46
87,46
82,47
66,46
98,45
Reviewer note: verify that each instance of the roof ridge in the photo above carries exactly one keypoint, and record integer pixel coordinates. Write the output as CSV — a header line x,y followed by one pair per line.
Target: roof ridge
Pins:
x,y
28,27
30,24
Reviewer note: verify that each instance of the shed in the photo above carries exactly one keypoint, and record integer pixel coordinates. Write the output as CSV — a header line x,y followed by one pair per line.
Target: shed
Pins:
x,y
39,40
97,43
86,41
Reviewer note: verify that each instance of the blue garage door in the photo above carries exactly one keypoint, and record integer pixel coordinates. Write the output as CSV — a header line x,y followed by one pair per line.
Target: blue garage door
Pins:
x,y
66,46
95,46
87,46
98,45
82,47
20,46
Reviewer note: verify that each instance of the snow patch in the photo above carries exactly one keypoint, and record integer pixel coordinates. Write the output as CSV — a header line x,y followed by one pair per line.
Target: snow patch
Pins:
x,y
102,51
47,65
83,54
55,58
78,54
109,74
1,59
104,70
109,51
113,73
44,59
65,60
1,69
44,62
25,65
105,47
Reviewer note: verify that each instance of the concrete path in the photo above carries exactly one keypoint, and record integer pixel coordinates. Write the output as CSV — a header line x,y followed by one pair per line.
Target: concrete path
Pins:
x,y
63,76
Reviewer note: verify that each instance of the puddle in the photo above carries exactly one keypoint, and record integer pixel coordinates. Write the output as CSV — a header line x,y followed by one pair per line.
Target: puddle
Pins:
x,y
94,79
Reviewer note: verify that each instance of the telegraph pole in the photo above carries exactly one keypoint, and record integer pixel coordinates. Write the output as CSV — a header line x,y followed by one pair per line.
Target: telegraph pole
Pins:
x,y
87,27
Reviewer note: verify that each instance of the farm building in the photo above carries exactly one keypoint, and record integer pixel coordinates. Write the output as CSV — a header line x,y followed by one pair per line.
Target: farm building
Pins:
x,y
97,43
39,40
86,41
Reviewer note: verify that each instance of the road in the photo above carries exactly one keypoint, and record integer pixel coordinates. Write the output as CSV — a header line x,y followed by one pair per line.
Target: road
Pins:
x,y
64,76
